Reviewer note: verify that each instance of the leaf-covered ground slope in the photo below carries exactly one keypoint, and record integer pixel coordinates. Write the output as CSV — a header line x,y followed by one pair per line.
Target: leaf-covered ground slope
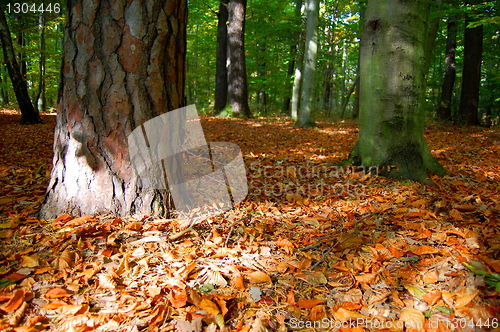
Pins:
x,y
313,245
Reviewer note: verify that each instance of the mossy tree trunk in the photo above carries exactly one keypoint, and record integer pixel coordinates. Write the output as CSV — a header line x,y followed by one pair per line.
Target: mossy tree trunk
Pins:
x,y
124,64
392,88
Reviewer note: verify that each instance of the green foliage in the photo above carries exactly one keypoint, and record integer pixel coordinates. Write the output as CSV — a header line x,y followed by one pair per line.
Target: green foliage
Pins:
x,y
483,13
492,279
272,30
26,28
201,51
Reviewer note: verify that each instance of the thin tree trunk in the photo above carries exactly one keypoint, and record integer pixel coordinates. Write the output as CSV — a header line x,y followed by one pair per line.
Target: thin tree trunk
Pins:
x,y
261,73
296,87
431,37
285,108
305,117
355,104
471,75
124,64
4,99
291,64
20,41
221,84
40,99
444,107
343,75
327,88
28,113
238,87
297,84
349,93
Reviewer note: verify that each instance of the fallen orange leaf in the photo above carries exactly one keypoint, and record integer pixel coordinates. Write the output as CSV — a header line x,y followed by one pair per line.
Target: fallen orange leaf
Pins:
x,y
344,315
65,217
15,302
178,297
425,250
56,292
318,313
456,215
432,297
209,307
78,221
73,309
308,303
54,305
29,261
238,281
259,276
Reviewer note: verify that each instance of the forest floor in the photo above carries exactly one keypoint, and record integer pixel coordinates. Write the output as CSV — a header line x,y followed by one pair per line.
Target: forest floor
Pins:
x,y
312,247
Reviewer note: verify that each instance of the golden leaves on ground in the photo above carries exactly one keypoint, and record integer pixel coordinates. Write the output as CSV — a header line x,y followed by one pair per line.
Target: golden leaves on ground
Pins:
x,y
259,276
372,250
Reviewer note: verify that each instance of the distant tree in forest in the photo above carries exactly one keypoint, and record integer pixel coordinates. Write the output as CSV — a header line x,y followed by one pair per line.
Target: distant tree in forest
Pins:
x,y
293,66
124,64
29,115
305,117
444,107
471,75
392,88
237,73
221,84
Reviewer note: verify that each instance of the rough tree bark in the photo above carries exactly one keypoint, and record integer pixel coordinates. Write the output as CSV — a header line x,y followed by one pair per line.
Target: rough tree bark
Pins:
x,y
238,87
471,75
124,63
221,58
305,116
28,113
444,107
392,87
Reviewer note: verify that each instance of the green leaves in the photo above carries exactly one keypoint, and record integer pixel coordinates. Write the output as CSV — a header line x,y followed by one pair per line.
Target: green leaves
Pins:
x,y
492,279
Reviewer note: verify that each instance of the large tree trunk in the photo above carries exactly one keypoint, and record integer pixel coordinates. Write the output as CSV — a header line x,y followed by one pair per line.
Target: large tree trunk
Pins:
x,y
28,113
238,89
221,58
305,116
392,87
471,75
444,107
124,63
